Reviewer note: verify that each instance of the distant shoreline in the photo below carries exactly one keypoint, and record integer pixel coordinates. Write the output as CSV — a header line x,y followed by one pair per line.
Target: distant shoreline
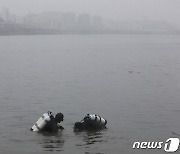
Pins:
x,y
20,29
38,31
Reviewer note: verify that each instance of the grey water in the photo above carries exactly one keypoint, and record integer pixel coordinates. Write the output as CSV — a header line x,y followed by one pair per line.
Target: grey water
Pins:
x,y
132,81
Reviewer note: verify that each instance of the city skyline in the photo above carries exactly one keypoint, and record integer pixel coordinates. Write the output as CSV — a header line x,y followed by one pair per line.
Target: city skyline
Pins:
x,y
119,10
70,22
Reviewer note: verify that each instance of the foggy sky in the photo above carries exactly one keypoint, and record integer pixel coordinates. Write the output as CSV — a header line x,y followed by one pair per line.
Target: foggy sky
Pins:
x,y
122,10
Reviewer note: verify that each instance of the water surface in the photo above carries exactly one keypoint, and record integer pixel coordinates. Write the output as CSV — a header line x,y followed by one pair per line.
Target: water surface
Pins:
x,y
132,81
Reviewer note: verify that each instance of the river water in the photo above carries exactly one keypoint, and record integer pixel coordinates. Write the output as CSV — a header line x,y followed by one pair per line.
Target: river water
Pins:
x,y
132,81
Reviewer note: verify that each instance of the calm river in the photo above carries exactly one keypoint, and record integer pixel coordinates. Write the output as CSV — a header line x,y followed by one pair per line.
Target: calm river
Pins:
x,y
132,81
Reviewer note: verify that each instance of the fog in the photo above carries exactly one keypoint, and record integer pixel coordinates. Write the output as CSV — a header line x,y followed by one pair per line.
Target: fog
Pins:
x,y
121,10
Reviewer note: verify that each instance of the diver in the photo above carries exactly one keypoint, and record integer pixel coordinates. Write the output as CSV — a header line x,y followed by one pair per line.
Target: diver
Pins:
x,y
48,123
90,122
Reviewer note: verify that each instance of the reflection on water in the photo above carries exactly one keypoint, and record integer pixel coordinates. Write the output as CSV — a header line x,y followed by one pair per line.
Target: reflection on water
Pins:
x,y
52,142
90,137
93,153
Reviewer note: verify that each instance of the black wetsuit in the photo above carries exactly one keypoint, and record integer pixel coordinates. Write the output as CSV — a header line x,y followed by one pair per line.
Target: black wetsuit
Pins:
x,y
52,126
88,125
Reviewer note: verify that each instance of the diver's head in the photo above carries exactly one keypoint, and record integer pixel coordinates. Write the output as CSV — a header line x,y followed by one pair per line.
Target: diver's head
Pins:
x,y
59,117
78,126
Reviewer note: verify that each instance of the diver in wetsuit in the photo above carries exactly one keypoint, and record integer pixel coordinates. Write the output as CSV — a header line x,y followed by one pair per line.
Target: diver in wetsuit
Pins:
x,y
53,124
48,123
90,123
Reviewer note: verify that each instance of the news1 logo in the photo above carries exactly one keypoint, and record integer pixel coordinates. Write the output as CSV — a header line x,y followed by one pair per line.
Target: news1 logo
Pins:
x,y
171,145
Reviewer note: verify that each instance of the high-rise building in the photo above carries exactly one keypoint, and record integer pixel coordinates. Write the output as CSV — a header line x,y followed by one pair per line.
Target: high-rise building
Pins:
x,y
68,21
84,22
97,23
5,14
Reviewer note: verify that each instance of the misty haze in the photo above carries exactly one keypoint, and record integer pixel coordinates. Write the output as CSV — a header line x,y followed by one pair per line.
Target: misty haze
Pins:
x,y
89,16
118,59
